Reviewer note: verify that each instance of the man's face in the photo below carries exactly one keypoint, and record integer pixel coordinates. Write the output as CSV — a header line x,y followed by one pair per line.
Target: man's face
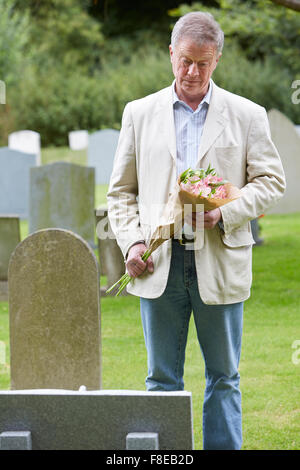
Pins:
x,y
193,66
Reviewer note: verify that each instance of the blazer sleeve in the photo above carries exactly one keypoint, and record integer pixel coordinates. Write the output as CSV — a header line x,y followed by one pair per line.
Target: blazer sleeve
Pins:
x,y
123,188
265,176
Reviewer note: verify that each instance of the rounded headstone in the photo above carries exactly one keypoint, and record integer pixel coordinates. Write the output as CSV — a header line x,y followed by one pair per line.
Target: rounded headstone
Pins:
x,y
54,308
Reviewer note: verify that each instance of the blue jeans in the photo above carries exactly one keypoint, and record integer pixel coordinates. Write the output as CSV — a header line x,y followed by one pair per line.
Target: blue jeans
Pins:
x,y
219,330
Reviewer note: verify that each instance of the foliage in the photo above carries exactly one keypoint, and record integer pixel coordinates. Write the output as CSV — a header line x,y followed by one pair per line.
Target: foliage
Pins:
x,y
58,101
262,29
13,39
65,35
65,75
260,81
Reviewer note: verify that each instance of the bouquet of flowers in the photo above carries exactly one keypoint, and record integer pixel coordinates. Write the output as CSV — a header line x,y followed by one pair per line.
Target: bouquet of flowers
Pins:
x,y
194,187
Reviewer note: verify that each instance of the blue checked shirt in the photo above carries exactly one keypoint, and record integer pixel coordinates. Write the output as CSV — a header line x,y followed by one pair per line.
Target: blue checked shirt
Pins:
x,y
188,129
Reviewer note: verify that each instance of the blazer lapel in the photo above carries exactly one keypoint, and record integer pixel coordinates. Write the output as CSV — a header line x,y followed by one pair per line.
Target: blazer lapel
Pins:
x,y
215,123
168,124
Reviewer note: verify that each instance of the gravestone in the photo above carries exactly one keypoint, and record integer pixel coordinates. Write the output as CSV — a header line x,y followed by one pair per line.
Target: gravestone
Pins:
x,y
78,140
9,239
54,309
66,420
14,181
298,128
110,256
287,141
101,152
255,229
62,195
27,142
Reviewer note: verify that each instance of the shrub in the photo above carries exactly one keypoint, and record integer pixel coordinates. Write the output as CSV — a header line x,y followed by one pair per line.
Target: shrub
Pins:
x,y
58,101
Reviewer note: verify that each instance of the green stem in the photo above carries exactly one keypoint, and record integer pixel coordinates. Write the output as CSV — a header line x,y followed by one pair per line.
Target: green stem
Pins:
x,y
125,279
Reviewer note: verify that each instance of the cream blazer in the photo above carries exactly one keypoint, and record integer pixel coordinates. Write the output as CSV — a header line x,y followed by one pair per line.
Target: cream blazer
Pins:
x,y
236,142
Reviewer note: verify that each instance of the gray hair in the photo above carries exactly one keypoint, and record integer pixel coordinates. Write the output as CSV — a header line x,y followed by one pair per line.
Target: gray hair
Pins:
x,y
199,26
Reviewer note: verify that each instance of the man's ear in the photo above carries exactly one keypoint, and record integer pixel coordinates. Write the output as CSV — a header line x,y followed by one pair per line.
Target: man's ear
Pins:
x,y
171,52
218,58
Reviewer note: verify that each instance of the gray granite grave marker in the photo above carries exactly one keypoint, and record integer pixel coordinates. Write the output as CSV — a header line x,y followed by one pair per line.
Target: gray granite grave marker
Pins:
x,y
287,141
62,419
101,151
54,309
9,239
110,256
62,195
14,440
14,181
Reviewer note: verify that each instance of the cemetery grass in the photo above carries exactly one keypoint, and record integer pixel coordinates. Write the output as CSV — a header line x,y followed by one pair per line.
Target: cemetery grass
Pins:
x,y
269,365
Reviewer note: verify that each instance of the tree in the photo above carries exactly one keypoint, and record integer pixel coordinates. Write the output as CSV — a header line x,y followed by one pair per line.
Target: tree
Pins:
x,y
62,33
292,4
260,30
13,37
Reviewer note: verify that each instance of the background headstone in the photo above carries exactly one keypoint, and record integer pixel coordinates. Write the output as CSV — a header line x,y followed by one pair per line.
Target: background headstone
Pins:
x,y
298,128
287,141
9,239
255,228
62,195
54,310
66,420
26,141
110,256
14,181
78,140
101,152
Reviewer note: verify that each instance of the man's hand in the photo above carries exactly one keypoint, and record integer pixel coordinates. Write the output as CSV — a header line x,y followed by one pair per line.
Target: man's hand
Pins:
x,y
209,221
134,264
211,218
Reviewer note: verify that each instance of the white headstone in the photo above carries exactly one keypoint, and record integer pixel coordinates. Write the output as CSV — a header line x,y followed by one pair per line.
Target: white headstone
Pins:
x,y
78,140
287,141
101,152
26,141
298,129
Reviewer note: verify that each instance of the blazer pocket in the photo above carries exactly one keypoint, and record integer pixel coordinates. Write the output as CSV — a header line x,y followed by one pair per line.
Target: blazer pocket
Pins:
x,y
227,155
238,238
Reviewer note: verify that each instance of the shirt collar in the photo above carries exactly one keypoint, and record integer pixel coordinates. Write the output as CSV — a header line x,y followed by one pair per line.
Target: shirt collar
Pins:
x,y
206,98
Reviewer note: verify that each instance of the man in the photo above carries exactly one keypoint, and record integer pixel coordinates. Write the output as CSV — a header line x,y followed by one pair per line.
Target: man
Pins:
x,y
194,123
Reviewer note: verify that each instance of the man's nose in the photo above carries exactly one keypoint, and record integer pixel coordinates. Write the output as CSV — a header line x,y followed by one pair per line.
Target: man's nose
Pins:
x,y
193,70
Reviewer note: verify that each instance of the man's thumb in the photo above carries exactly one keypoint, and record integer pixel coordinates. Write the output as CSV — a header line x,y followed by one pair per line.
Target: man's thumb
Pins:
x,y
150,265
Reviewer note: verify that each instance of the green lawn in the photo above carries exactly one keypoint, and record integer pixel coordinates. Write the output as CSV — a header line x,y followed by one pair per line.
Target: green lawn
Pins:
x,y
269,378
